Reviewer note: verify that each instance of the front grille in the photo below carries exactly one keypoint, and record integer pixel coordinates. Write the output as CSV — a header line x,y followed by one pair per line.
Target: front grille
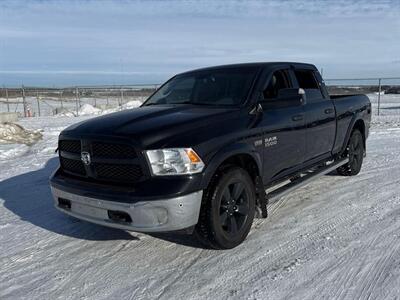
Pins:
x,y
72,166
112,162
106,150
72,146
127,173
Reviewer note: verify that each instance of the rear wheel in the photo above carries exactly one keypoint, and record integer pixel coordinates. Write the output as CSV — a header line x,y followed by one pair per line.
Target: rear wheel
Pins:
x,y
227,210
355,153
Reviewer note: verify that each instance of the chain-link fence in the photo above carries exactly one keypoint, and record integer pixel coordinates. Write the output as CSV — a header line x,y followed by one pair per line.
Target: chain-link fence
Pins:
x,y
71,101
384,94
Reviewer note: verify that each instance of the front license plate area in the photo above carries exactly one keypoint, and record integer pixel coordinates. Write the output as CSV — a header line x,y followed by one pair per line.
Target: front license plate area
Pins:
x,y
89,211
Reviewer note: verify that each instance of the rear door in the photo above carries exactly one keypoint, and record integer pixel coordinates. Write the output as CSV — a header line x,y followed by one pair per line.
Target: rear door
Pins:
x,y
320,115
283,127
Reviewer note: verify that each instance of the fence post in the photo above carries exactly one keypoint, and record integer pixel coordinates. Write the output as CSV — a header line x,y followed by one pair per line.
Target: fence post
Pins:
x,y
38,104
61,98
24,101
379,95
79,98
8,104
122,97
77,101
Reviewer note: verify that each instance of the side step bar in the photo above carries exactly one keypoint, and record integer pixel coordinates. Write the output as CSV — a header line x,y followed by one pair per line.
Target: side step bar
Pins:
x,y
302,181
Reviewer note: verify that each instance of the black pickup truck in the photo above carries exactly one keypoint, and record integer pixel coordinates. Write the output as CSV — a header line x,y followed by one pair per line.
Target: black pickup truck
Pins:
x,y
199,154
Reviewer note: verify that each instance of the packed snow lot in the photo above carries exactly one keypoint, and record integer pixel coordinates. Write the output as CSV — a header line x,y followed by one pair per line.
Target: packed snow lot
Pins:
x,y
338,237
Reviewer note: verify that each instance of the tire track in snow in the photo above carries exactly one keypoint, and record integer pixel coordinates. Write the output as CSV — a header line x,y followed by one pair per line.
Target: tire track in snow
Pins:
x,y
168,287
326,225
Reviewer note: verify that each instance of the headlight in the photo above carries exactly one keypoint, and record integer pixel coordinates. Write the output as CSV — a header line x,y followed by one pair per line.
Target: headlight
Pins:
x,y
174,161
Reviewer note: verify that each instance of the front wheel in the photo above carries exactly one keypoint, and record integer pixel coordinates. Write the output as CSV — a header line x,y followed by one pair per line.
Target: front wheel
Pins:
x,y
355,153
228,209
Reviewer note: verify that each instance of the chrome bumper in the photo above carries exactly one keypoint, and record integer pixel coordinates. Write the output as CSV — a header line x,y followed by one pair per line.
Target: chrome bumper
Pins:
x,y
147,216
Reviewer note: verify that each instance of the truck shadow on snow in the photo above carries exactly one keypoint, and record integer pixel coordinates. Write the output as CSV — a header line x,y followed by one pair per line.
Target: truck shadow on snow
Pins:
x,y
29,197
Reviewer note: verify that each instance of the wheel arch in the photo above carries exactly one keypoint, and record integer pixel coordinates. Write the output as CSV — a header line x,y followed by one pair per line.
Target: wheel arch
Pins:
x,y
357,123
241,155
246,157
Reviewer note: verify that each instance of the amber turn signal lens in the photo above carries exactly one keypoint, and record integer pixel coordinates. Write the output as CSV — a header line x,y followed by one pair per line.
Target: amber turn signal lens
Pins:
x,y
194,158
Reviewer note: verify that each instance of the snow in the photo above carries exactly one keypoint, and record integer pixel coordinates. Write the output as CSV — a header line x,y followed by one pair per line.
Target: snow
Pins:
x,y
338,237
68,106
13,133
129,105
87,109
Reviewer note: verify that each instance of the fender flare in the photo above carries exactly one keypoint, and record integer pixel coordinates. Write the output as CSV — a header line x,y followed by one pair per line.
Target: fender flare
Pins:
x,y
353,121
226,152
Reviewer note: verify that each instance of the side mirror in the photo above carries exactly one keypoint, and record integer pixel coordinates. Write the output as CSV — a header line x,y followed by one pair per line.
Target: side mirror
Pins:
x,y
291,94
302,93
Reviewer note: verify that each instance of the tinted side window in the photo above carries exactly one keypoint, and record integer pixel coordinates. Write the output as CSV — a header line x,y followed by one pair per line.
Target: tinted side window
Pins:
x,y
279,80
307,81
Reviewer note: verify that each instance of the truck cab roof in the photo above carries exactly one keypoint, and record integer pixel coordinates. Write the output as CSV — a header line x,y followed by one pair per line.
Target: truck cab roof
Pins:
x,y
253,64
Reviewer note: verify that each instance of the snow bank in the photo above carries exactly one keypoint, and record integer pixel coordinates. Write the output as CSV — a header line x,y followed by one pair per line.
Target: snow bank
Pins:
x,y
132,104
11,133
87,109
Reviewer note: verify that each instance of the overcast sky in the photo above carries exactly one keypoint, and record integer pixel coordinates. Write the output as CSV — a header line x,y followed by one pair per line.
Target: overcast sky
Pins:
x,y
113,42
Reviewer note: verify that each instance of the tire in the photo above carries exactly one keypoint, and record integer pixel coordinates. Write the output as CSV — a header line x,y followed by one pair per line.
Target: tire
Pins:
x,y
355,152
227,210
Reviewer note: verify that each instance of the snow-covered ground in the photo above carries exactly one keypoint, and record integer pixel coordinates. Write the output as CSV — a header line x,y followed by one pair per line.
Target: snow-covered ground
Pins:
x,y
337,238
49,106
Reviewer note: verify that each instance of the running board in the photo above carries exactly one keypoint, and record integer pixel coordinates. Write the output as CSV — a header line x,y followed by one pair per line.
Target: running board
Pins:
x,y
302,181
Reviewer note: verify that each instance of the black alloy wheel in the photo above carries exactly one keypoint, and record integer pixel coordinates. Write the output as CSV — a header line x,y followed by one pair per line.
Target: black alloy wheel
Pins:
x,y
227,210
234,208
355,153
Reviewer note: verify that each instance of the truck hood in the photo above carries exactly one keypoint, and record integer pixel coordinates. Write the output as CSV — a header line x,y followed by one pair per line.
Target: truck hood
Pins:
x,y
154,126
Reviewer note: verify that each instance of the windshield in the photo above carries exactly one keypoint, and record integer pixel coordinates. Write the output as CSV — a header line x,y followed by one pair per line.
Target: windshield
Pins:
x,y
225,86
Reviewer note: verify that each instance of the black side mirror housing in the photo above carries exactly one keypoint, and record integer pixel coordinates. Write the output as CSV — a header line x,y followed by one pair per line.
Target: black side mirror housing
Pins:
x,y
291,94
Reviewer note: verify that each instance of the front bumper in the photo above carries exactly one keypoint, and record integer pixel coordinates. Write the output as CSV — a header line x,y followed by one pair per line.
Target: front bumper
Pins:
x,y
144,216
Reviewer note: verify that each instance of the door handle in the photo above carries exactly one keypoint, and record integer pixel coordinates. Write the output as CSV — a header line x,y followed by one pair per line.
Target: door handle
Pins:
x,y
329,111
297,118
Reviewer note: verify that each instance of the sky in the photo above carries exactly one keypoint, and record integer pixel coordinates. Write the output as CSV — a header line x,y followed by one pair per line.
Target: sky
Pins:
x,y
61,43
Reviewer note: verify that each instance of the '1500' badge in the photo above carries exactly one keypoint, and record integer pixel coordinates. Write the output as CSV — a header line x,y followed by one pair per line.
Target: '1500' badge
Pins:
x,y
271,141
85,158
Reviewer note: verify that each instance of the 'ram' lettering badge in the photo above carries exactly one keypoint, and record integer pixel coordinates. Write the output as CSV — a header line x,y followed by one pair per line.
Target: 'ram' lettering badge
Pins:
x,y
85,158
